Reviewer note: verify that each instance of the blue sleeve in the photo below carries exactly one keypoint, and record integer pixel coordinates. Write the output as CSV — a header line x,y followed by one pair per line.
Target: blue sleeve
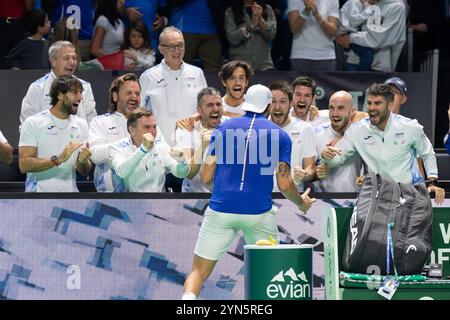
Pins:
x,y
285,147
447,142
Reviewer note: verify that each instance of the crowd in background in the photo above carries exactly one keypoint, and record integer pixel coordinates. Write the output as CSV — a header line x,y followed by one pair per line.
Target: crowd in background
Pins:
x,y
158,127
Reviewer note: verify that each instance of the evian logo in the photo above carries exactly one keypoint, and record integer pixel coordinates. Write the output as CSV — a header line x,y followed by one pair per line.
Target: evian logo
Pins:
x,y
289,284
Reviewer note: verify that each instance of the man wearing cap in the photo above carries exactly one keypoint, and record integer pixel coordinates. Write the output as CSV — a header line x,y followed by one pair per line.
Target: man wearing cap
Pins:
x,y
398,86
240,162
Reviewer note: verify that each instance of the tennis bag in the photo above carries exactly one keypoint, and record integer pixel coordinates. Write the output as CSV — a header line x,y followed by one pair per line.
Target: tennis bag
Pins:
x,y
382,201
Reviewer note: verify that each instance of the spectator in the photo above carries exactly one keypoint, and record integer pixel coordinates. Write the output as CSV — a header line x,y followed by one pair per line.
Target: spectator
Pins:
x,y
109,28
170,88
50,141
386,36
78,16
124,98
398,86
137,50
151,12
194,143
342,178
141,160
282,43
303,156
235,77
303,99
31,52
352,15
201,22
447,136
388,144
12,29
6,150
62,33
314,25
250,28
63,60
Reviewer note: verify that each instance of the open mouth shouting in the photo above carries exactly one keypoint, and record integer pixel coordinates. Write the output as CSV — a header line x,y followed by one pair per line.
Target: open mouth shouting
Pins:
x,y
214,119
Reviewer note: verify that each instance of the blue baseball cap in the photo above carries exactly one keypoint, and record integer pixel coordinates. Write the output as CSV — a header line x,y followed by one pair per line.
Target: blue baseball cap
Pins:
x,y
398,83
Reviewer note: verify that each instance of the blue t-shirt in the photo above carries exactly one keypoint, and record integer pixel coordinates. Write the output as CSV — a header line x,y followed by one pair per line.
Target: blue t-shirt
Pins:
x,y
149,9
81,10
194,17
245,186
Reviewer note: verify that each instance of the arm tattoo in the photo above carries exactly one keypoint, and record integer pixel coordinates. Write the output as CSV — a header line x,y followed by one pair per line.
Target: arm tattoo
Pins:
x,y
283,169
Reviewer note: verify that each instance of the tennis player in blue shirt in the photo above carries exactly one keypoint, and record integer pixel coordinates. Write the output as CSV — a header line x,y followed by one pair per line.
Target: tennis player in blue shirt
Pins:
x,y
240,163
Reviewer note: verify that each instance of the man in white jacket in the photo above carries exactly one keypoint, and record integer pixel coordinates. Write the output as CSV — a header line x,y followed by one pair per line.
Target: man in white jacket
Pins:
x,y
170,88
142,159
385,32
63,60
388,143
124,97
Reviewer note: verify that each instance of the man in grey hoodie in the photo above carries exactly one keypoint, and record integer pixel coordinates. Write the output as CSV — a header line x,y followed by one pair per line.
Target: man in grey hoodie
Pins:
x,y
385,32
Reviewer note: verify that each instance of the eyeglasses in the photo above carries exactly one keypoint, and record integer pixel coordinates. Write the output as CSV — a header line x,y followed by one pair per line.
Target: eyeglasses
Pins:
x,y
172,47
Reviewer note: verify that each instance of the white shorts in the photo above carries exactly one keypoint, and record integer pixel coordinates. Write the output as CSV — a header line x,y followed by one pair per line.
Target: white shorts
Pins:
x,y
219,229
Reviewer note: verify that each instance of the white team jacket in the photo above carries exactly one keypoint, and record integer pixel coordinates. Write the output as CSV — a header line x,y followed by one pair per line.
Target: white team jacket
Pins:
x,y
171,97
391,152
37,99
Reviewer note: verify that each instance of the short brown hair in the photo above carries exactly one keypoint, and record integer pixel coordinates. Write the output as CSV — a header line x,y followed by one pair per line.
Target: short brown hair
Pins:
x,y
115,87
136,115
380,89
305,82
228,68
283,86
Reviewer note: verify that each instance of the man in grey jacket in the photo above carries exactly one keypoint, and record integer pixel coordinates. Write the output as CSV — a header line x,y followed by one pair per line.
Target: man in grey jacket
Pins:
x,y
385,32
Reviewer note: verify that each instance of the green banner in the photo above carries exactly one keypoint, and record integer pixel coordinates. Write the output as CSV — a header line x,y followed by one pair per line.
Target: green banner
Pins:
x,y
281,272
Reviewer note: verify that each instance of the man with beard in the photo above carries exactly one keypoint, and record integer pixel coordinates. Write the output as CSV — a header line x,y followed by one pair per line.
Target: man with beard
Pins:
x,y
52,144
194,143
235,77
243,184
124,98
343,178
63,60
143,159
303,99
388,143
303,154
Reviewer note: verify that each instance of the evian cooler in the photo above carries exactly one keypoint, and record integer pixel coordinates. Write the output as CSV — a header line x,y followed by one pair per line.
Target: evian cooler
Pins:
x,y
281,272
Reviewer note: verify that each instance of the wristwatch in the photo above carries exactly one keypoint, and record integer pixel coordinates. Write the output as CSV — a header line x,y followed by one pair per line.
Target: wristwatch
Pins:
x,y
54,159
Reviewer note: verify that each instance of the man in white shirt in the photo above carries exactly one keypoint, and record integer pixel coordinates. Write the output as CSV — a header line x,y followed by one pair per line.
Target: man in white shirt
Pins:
x,y
53,143
63,60
388,143
342,178
303,156
313,24
235,77
142,159
6,150
170,88
303,99
194,143
124,97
